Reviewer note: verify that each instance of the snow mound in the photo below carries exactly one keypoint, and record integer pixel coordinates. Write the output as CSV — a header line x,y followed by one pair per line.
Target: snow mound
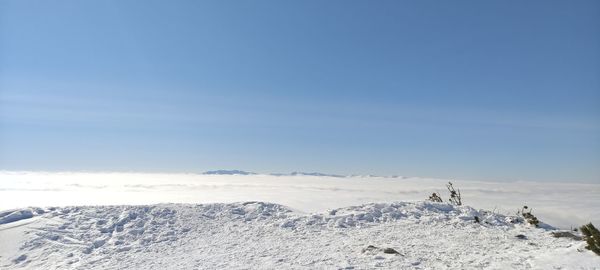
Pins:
x,y
421,212
19,214
265,235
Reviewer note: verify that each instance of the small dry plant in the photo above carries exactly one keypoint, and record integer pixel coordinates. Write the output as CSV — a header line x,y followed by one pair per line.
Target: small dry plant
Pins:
x,y
592,237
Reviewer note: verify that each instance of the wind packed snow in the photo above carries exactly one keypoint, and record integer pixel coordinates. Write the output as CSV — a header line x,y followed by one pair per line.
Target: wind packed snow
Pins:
x,y
253,235
12,216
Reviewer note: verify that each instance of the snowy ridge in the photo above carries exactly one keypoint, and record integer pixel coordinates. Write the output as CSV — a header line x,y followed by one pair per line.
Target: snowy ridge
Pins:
x,y
16,215
240,172
421,212
316,174
266,235
228,172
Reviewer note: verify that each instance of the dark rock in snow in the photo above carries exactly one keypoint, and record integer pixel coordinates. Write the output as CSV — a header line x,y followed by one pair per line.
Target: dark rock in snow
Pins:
x,y
521,236
566,234
370,248
374,249
390,251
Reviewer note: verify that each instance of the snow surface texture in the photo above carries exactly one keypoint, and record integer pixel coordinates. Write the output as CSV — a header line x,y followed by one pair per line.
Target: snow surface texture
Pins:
x,y
563,205
257,235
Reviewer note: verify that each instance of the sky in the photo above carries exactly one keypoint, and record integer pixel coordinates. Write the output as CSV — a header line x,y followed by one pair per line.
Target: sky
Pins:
x,y
486,90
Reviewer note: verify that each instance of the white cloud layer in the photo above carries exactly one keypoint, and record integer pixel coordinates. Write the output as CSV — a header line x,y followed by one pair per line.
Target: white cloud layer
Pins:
x,y
559,204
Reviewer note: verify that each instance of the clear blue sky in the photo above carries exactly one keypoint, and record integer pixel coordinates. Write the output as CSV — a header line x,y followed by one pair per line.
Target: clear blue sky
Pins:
x,y
491,90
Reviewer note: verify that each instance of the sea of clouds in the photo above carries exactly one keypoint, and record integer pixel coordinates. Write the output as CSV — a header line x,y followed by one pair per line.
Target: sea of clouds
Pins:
x,y
564,205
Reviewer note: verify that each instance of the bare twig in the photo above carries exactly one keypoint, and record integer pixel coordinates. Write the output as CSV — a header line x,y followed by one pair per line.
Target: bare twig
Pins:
x,y
454,195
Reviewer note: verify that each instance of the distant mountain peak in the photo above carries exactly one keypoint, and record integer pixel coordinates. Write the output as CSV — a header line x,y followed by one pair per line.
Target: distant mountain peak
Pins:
x,y
228,172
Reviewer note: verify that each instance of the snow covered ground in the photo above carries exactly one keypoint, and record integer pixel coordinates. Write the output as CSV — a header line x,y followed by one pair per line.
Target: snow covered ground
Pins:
x,y
283,222
256,235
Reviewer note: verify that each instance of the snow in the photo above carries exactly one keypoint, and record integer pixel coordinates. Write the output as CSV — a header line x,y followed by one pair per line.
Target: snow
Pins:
x,y
270,236
12,216
301,221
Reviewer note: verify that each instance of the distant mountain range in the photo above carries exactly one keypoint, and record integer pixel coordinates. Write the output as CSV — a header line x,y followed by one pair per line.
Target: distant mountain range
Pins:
x,y
316,174
240,172
228,172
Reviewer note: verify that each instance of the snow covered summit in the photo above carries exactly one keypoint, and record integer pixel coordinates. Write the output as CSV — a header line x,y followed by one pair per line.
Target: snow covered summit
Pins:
x,y
260,235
